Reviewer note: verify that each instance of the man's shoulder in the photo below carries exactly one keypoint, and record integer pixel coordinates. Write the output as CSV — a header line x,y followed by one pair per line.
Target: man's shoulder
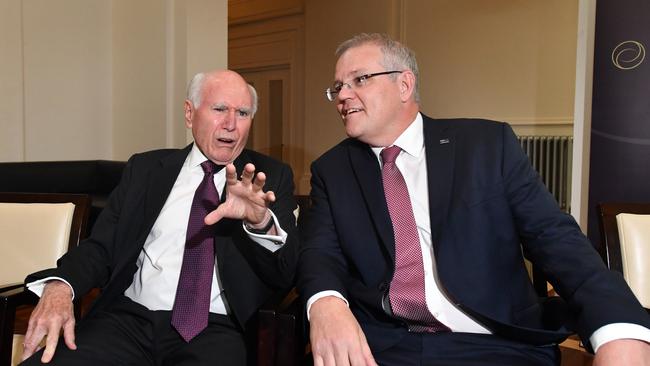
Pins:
x,y
470,124
146,157
341,150
158,153
472,130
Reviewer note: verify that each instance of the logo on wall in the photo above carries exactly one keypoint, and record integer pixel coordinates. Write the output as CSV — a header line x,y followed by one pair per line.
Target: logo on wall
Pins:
x,y
628,55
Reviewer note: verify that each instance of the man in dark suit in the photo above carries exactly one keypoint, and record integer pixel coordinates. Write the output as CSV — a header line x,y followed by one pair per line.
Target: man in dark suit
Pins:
x,y
413,251
137,250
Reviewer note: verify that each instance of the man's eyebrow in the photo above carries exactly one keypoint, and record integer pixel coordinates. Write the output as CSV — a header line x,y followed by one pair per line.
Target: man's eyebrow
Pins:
x,y
353,74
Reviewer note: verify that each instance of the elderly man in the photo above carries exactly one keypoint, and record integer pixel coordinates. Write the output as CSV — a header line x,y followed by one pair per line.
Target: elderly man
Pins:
x,y
184,252
412,254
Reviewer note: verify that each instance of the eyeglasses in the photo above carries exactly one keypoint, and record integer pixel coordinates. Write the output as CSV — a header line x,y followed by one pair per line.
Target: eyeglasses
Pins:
x,y
356,82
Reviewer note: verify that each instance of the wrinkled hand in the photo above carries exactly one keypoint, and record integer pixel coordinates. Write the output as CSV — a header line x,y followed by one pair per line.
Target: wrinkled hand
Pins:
x,y
245,199
335,335
623,352
53,312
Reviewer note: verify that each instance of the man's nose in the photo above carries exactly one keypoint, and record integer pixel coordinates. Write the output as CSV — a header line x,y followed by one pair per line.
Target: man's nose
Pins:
x,y
230,122
346,92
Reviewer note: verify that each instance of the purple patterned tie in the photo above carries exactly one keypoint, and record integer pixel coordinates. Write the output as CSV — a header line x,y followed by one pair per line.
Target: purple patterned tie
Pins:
x,y
192,304
406,291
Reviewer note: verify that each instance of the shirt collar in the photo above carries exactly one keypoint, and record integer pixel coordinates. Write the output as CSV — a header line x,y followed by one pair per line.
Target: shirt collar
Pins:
x,y
411,140
195,158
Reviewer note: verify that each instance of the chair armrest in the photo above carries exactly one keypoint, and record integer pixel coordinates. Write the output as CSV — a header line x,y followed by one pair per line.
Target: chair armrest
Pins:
x,y
10,286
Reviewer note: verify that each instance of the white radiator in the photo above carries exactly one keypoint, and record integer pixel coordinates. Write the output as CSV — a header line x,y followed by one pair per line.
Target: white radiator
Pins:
x,y
551,156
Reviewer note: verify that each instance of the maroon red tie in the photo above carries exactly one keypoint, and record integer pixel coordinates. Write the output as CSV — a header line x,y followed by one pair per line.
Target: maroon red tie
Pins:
x,y
406,293
192,303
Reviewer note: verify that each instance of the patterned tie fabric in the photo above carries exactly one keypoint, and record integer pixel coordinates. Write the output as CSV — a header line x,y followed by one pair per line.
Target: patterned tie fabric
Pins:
x,y
192,304
406,291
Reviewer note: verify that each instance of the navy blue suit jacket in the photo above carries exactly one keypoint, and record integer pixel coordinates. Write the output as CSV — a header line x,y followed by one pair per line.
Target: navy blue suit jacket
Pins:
x,y
488,209
249,273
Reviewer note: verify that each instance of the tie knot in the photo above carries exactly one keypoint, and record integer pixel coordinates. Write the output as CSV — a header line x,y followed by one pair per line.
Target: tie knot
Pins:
x,y
389,154
210,168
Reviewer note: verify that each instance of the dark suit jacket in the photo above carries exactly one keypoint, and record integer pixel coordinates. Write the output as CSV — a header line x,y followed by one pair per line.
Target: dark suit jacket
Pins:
x,y
488,209
250,273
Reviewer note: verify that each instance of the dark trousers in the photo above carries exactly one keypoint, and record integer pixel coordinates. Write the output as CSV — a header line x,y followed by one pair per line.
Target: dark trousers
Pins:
x,y
465,349
130,334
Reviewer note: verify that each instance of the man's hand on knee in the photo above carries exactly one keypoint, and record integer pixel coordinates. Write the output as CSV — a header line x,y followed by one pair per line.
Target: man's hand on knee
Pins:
x,y
336,337
53,312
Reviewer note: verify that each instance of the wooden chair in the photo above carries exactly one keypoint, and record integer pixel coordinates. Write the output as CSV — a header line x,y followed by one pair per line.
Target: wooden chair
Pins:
x,y
625,244
35,230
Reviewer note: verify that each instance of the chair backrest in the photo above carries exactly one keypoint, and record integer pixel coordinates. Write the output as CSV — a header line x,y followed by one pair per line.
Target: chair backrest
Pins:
x,y
634,236
625,244
38,228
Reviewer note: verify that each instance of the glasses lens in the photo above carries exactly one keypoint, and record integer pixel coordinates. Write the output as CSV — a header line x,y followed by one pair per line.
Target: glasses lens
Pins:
x,y
330,94
334,90
360,81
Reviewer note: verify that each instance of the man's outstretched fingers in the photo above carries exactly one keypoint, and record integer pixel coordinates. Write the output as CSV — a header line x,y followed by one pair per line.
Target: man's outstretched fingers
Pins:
x,y
231,174
260,180
247,174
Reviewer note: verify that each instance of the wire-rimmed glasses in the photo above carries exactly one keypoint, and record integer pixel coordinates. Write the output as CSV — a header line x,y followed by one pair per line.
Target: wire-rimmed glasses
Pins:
x,y
355,83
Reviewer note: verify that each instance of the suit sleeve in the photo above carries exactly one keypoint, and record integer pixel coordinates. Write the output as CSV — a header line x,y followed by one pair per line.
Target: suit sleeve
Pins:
x,y
322,265
553,241
89,264
276,268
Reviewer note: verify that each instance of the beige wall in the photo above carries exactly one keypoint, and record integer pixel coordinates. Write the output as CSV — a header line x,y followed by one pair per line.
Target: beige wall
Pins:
x,y
11,81
139,76
509,60
101,79
58,73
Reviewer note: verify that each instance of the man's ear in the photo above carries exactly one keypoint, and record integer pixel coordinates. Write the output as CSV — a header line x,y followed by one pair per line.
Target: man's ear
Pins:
x,y
406,85
189,113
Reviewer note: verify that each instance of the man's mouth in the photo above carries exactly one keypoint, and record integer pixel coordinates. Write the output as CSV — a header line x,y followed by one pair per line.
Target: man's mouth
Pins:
x,y
225,140
349,111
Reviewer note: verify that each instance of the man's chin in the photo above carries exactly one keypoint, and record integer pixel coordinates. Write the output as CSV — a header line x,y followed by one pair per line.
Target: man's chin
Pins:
x,y
222,159
352,132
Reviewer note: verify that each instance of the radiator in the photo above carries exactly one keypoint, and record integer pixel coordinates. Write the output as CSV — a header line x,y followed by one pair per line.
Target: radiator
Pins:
x,y
551,156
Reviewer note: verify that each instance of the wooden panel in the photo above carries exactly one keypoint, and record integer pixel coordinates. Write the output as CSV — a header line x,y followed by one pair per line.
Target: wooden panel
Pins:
x,y
243,11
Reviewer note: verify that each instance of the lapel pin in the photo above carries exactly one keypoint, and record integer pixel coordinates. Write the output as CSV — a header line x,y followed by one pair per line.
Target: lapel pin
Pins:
x,y
444,141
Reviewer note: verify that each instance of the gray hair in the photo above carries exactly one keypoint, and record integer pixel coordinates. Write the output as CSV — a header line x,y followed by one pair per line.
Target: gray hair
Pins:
x,y
196,85
396,55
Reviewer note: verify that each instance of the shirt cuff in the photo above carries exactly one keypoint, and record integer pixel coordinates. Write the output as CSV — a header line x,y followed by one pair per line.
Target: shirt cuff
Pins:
x,y
320,295
270,242
611,332
38,286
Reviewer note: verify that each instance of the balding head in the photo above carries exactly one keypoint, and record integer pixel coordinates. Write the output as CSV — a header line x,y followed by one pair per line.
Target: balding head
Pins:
x,y
194,89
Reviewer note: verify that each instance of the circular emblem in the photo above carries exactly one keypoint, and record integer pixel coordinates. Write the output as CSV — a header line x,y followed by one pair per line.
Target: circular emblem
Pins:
x,y
628,55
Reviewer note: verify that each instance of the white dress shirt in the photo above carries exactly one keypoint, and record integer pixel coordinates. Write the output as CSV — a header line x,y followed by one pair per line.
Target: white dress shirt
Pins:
x,y
159,263
412,164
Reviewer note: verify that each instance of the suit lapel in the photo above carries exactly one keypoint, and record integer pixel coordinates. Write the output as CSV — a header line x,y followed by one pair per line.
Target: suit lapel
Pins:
x,y
160,184
368,174
439,145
